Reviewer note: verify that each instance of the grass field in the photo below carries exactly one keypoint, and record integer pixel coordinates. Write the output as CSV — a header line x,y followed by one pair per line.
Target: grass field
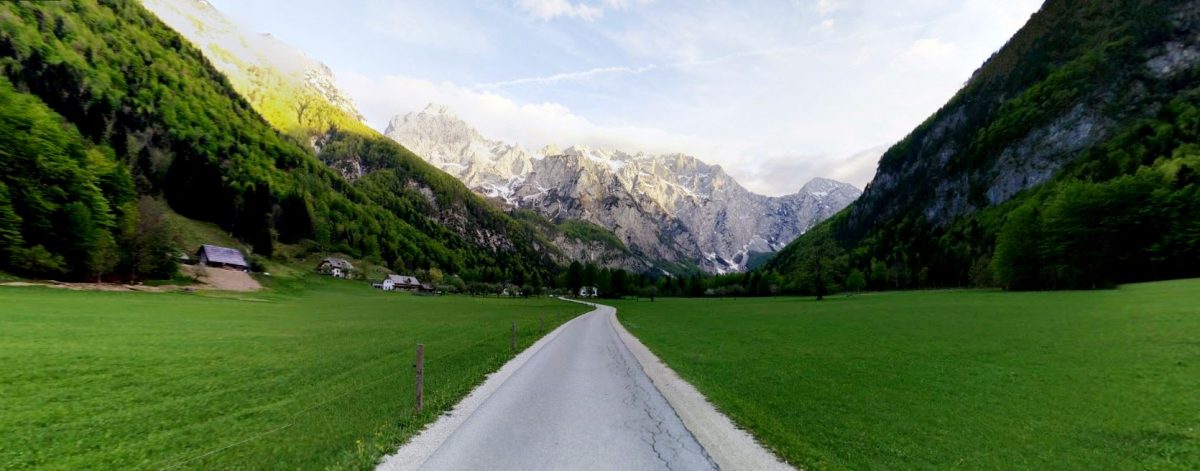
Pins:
x,y
949,380
314,374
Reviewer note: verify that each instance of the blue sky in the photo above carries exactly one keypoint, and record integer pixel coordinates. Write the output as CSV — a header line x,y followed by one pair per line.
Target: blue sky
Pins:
x,y
776,92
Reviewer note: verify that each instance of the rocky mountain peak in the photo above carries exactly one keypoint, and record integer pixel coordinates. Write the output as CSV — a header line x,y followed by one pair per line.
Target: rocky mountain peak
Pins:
x,y
435,124
672,207
824,186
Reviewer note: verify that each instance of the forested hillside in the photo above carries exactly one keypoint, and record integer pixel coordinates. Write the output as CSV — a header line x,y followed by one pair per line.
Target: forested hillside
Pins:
x,y
106,106
297,95
1069,160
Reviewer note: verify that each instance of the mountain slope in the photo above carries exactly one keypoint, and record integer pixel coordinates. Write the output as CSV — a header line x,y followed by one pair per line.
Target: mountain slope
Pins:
x,y
672,208
280,81
1076,140
143,99
294,92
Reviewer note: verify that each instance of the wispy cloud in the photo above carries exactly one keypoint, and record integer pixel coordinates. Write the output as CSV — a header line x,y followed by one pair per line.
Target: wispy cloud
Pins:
x,y
829,7
580,75
775,91
547,10
929,48
427,24
550,9
496,116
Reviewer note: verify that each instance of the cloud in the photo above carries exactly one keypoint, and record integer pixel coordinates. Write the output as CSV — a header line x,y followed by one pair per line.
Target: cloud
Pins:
x,y
829,7
858,168
774,92
786,173
534,125
623,4
734,85
580,75
427,24
546,10
931,49
530,124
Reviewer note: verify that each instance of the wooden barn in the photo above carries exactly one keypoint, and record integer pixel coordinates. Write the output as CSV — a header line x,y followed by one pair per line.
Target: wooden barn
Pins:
x,y
221,257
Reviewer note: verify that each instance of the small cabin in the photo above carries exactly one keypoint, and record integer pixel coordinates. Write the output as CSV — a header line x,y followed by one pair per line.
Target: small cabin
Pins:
x,y
221,257
588,292
335,267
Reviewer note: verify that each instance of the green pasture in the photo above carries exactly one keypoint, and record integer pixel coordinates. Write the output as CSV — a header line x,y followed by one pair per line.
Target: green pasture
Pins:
x,y
949,379
313,374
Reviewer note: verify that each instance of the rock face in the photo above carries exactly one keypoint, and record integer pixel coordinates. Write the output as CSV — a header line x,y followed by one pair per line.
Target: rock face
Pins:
x,y
672,208
941,173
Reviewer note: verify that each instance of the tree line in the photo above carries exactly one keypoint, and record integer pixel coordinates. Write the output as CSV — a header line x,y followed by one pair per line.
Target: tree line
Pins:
x,y
108,110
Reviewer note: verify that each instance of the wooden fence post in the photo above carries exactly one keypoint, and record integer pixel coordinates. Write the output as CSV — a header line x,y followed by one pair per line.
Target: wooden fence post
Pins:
x,y
514,336
420,366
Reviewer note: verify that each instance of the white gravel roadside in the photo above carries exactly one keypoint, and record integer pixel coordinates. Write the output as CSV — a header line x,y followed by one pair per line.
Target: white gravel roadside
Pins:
x,y
728,446
732,448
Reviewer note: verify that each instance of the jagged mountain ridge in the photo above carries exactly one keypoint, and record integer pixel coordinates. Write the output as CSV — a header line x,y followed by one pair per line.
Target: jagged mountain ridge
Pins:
x,y
277,79
671,207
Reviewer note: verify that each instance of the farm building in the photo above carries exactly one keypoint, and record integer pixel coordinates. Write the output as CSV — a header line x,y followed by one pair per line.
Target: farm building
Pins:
x,y
401,282
335,267
222,257
588,292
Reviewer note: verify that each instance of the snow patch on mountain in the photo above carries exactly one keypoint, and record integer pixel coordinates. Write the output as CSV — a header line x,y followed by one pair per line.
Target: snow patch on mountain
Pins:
x,y
670,207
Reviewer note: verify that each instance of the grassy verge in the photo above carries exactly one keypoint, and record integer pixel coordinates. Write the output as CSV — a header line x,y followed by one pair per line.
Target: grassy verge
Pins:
x,y
954,379
314,374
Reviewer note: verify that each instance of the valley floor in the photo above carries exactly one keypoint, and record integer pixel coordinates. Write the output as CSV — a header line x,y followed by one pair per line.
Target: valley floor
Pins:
x,y
948,379
313,374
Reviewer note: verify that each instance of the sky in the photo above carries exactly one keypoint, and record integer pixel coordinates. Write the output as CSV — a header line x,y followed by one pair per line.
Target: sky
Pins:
x,y
776,92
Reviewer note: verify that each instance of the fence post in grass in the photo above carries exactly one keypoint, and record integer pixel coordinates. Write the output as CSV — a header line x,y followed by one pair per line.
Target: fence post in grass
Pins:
x,y
420,366
514,336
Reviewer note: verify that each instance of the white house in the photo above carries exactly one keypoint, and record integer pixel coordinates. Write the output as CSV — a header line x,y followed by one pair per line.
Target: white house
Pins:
x,y
588,292
395,282
335,267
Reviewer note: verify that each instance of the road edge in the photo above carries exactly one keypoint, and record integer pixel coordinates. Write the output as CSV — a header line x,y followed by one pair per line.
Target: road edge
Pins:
x,y
731,447
417,450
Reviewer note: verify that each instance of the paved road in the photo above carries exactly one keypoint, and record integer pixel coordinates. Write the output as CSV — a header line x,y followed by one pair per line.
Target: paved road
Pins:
x,y
581,402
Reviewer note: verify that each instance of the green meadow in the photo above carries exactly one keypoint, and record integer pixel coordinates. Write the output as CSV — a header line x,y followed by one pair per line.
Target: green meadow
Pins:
x,y
313,374
948,379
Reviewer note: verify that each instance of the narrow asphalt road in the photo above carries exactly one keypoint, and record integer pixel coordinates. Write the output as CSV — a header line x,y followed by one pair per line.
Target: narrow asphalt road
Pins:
x,y
581,402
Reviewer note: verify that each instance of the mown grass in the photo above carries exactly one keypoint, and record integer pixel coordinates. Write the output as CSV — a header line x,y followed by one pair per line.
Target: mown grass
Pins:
x,y
313,374
949,380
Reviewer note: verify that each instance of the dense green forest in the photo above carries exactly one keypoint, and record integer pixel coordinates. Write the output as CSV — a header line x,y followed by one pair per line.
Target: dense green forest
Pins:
x,y
107,111
1123,208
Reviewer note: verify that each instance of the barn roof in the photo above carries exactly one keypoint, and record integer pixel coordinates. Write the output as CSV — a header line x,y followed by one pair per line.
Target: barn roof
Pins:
x,y
224,255
404,280
338,263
